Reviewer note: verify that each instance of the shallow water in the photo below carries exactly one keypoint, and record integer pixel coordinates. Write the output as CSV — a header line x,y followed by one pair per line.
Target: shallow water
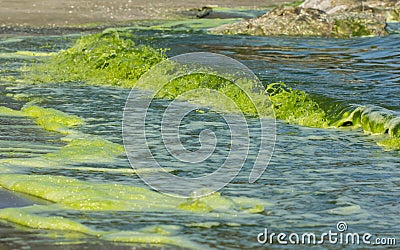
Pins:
x,y
316,177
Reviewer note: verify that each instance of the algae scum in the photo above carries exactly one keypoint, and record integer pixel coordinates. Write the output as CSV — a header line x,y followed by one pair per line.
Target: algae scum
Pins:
x,y
336,155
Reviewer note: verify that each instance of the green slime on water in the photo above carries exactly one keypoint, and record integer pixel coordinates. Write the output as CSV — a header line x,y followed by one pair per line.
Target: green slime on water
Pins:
x,y
48,118
297,107
111,58
84,195
71,194
108,58
80,148
30,217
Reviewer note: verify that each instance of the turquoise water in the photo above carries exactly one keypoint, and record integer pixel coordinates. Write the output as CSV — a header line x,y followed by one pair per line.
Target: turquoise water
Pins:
x,y
316,177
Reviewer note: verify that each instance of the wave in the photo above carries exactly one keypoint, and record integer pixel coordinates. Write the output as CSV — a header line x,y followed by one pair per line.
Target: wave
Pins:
x,y
299,107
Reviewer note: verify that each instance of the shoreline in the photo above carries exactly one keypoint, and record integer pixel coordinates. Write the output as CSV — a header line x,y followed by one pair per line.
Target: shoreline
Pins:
x,y
36,17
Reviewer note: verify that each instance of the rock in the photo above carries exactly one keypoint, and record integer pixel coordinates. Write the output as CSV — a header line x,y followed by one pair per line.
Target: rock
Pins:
x,y
394,14
299,21
331,6
202,12
388,8
354,24
292,21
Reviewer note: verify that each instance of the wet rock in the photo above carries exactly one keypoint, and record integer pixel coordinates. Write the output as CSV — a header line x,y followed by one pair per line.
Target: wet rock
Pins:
x,y
299,21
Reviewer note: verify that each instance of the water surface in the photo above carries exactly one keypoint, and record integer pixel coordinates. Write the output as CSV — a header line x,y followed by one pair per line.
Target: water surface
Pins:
x,y
316,177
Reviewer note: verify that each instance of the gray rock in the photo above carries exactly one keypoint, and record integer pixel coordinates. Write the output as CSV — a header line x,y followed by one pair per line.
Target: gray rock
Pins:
x,y
358,24
388,8
330,6
299,21
292,21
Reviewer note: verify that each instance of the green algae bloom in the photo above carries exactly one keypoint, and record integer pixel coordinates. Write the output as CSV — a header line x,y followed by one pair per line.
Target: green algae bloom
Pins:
x,y
112,58
256,209
109,58
4,111
83,195
71,194
52,119
87,150
195,206
295,106
390,143
80,148
208,89
204,224
150,238
31,217
26,218
48,118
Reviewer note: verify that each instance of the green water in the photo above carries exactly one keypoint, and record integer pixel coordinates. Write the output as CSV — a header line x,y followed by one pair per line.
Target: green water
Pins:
x,y
335,159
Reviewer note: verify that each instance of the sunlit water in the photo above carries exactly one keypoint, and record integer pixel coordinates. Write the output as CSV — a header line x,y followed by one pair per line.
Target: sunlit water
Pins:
x,y
313,175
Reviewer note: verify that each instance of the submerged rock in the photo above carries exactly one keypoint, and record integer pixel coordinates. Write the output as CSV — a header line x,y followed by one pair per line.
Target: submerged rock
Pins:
x,y
324,18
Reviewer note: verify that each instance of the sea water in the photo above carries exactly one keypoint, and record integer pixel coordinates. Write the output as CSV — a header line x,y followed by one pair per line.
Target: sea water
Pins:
x,y
316,178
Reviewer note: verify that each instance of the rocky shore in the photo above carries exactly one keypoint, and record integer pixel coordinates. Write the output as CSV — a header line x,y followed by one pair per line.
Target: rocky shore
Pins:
x,y
323,18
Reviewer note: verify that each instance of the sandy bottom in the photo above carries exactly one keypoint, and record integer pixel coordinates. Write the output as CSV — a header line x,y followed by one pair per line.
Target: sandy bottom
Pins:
x,y
56,13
